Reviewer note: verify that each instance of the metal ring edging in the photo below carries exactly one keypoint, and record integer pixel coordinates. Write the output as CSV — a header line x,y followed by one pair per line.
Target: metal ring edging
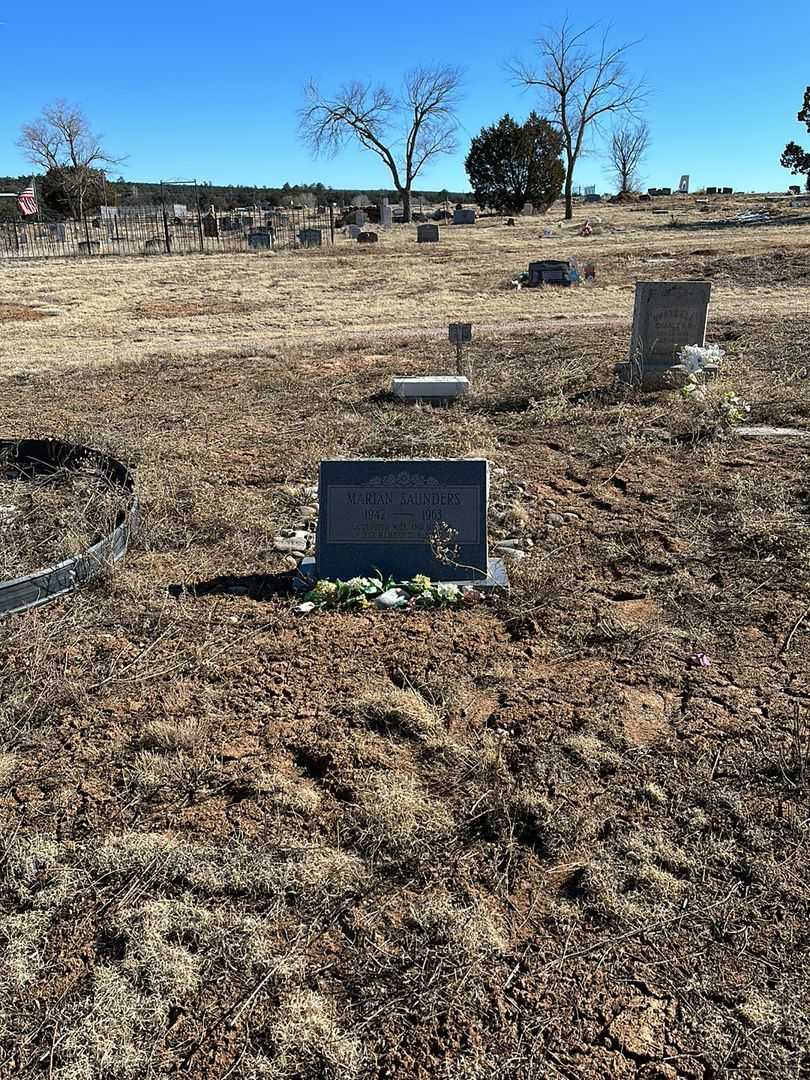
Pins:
x,y
42,586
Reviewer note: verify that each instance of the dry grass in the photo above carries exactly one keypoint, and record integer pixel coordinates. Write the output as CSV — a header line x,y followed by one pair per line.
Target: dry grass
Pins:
x,y
523,839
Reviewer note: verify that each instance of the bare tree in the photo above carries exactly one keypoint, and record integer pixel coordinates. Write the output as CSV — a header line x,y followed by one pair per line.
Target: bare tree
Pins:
x,y
583,84
405,131
628,145
61,142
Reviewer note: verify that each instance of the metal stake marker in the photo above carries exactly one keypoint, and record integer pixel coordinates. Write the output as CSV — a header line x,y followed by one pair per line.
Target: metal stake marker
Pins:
x,y
459,332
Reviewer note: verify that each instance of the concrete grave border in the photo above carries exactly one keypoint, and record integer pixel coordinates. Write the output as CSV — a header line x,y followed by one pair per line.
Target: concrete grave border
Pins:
x,y
40,587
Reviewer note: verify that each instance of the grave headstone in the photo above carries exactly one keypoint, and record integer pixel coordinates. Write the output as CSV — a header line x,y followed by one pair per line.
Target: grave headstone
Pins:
x,y
464,217
57,231
353,231
439,388
549,272
427,234
89,247
367,238
528,209
592,197
728,191
683,184
395,517
310,237
667,315
259,239
711,190
386,217
210,226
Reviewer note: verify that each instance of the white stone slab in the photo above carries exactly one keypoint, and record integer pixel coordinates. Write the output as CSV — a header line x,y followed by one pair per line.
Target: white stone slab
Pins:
x,y
431,386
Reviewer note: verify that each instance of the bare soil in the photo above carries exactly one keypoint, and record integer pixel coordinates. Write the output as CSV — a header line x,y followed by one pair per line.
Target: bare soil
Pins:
x,y
561,836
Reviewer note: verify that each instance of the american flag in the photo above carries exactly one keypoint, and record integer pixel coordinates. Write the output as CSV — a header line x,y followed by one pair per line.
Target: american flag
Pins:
x,y
27,201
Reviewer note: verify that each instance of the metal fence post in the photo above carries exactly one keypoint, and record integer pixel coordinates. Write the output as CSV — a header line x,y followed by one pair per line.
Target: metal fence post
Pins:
x,y
87,234
16,238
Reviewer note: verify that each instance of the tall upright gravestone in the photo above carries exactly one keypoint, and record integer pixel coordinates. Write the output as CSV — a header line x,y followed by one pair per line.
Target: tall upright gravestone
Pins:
x,y
667,315
402,518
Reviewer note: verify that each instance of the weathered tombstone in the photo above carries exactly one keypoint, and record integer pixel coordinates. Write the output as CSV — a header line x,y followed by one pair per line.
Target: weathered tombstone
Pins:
x,y
359,217
683,185
211,226
310,237
665,191
427,234
367,238
259,239
57,231
386,217
353,231
464,217
728,191
711,190
667,315
402,518
528,209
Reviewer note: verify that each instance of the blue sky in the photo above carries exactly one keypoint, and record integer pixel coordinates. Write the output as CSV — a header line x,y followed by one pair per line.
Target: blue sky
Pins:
x,y
196,90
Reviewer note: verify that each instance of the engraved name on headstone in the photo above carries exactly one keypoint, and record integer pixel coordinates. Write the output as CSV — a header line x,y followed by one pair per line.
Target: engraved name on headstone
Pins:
x,y
379,515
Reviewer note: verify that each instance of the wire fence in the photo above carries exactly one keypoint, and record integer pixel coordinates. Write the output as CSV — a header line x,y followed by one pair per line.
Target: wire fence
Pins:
x,y
156,231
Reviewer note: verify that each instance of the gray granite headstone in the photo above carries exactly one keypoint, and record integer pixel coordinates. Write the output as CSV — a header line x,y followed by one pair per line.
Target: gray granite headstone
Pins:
x,y
666,316
310,237
260,238
380,515
386,217
464,217
427,234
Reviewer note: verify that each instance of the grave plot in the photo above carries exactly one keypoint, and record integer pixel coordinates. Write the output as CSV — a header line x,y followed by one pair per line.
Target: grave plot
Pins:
x,y
66,514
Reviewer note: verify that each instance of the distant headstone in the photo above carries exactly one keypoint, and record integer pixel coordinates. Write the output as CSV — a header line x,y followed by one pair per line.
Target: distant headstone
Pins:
x,y
549,272
427,234
711,190
353,231
57,231
666,316
728,191
310,237
386,217
464,217
683,184
665,191
360,217
393,517
367,238
210,226
259,239
528,209
89,247
592,197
